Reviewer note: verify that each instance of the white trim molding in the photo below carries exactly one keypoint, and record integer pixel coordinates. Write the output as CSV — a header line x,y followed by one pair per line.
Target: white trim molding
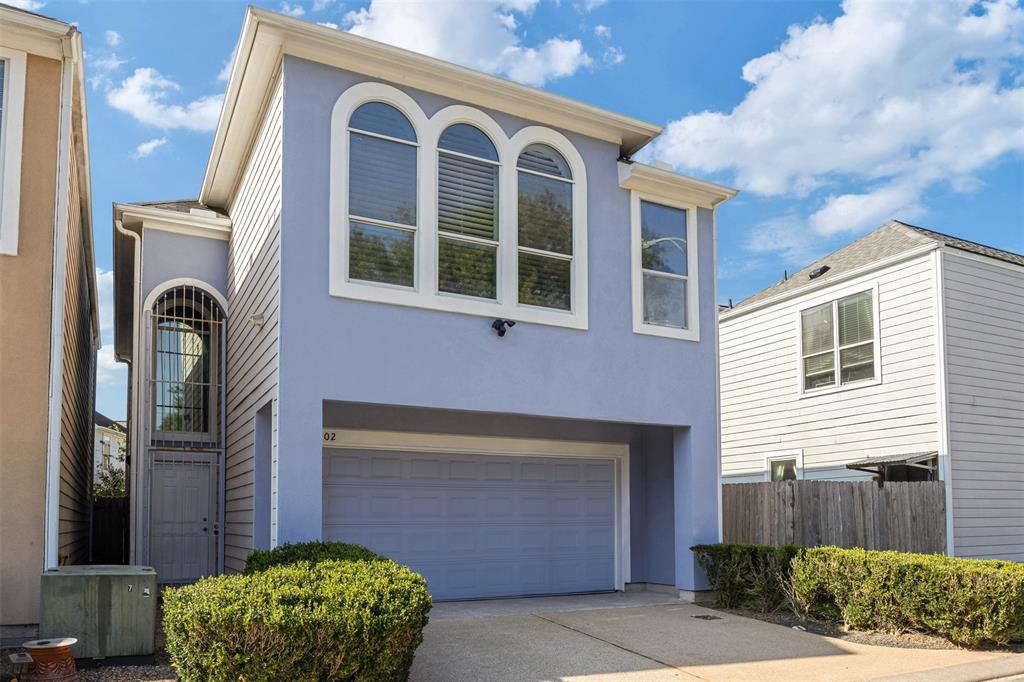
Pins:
x,y
11,133
691,330
155,218
797,455
518,447
662,184
166,286
942,384
424,293
832,295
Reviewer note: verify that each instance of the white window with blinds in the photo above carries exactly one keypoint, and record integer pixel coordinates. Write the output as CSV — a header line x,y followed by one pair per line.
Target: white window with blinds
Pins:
x,y
664,268
839,343
12,106
448,212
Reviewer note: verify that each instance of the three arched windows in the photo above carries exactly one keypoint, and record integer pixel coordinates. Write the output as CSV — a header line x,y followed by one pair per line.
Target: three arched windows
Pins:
x,y
384,166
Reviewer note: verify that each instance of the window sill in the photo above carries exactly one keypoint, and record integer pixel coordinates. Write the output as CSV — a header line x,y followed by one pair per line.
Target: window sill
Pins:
x,y
666,332
838,389
411,298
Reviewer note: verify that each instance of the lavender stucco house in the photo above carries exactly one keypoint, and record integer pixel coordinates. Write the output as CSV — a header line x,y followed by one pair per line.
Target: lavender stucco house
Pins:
x,y
321,345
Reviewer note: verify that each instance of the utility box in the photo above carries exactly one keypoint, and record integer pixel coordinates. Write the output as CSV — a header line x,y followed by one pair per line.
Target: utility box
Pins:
x,y
110,609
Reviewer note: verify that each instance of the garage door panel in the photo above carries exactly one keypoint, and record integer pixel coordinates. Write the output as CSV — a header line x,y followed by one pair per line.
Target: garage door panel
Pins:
x,y
478,525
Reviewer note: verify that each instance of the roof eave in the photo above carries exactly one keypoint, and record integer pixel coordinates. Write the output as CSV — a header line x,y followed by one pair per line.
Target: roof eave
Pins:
x,y
267,36
669,184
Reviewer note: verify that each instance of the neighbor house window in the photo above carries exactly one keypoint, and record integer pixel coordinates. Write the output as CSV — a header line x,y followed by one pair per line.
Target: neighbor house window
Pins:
x,y
545,228
467,212
12,104
382,196
838,342
784,466
783,470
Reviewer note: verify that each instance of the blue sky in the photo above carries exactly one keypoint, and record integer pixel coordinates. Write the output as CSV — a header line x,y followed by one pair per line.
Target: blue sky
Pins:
x,y
830,118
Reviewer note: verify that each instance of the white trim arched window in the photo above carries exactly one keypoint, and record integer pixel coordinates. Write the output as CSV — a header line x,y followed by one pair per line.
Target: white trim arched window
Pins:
x,y
452,243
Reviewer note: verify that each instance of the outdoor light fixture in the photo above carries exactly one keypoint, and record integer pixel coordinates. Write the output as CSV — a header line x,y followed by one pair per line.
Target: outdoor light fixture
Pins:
x,y
256,320
502,326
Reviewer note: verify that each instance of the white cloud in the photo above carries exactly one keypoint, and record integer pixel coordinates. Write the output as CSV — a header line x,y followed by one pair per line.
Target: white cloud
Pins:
x,y
30,5
143,95
885,102
589,5
100,69
147,148
109,372
614,55
225,71
602,31
113,38
481,35
320,5
291,10
328,24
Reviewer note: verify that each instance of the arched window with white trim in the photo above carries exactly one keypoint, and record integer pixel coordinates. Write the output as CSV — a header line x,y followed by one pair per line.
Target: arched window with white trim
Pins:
x,y
382,196
545,225
467,212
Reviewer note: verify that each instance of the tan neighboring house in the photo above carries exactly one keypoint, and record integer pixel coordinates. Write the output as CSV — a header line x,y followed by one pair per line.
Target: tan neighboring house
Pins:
x,y
49,328
108,445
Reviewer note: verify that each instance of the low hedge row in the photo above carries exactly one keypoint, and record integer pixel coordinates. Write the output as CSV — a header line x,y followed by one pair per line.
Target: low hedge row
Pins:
x,y
968,601
314,552
361,618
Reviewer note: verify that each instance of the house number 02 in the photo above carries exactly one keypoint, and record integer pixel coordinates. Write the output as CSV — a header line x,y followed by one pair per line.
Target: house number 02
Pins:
x,y
330,436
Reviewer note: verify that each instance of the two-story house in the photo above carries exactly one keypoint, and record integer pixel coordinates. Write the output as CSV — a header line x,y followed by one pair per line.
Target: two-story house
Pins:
x,y
49,328
427,310
901,356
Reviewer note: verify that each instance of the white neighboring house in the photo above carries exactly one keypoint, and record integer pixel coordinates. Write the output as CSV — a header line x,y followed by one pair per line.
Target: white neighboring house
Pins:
x,y
904,348
108,445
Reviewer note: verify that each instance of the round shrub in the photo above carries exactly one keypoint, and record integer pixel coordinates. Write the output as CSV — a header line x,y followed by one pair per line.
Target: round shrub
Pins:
x,y
333,620
313,552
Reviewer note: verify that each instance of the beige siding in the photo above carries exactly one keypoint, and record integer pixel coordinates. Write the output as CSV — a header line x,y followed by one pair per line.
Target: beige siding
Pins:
x,y
762,412
984,319
77,392
253,289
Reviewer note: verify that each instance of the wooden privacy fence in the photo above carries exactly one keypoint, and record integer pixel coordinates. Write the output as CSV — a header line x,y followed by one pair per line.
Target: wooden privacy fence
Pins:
x,y
909,517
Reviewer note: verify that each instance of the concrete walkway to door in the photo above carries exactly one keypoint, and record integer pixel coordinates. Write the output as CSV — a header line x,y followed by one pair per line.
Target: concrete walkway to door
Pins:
x,y
648,637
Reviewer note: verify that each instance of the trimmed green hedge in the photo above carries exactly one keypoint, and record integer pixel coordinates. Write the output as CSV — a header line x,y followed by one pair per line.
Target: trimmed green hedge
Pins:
x,y
754,576
333,620
314,552
969,601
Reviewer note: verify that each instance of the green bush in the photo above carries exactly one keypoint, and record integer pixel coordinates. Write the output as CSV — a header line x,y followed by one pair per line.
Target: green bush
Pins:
x,y
333,620
313,552
970,601
755,576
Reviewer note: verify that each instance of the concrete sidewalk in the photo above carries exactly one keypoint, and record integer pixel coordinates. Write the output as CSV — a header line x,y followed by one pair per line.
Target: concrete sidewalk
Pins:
x,y
645,637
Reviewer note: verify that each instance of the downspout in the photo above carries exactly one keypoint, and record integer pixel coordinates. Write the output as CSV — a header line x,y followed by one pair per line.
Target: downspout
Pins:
x,y
942,400
51,548
133,412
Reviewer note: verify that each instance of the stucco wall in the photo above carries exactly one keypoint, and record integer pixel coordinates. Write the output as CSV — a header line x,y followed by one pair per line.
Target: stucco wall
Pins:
x,y
348,350
25,291
169,255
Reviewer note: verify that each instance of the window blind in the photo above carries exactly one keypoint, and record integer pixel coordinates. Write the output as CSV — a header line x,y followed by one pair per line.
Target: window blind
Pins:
x,y
467,196
855,319
382,179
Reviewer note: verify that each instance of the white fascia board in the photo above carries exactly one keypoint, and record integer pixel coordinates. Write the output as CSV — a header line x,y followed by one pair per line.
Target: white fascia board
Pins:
x,y
658,182
152,217
267,36
823,282
33,33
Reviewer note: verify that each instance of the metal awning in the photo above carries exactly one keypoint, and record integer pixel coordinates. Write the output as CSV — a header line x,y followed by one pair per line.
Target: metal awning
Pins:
x,y
918,460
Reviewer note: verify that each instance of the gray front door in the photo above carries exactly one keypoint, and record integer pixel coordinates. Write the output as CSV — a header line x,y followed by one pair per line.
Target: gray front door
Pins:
x,y
478,526
183,526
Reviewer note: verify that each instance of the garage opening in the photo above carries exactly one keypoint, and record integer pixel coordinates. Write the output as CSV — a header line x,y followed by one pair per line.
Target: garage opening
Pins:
x,y
483,517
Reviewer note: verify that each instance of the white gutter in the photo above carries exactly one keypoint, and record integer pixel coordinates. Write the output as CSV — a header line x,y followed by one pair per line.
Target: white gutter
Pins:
x,y
133,413
51,550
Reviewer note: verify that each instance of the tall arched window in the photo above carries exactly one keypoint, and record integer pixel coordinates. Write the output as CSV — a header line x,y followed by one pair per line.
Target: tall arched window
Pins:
x,y
382,196
186,385
467,212
545,228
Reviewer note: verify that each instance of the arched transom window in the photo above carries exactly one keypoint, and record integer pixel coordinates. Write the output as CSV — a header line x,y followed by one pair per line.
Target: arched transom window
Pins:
x,y
545,228
185,376
467,212
382,196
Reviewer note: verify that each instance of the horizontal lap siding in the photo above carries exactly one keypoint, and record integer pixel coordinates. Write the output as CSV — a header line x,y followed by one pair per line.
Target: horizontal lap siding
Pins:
x,y
761,410
76,433
253,289
984,313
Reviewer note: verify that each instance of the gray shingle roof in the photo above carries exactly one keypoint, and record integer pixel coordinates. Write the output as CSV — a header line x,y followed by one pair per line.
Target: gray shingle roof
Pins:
x,y
892,238
180,205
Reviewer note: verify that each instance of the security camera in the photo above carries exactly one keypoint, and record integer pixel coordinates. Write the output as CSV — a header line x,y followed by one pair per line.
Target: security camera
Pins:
x,y
502,326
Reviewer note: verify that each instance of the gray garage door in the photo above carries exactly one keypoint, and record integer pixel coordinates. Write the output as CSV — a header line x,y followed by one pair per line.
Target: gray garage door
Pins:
x,y
478,526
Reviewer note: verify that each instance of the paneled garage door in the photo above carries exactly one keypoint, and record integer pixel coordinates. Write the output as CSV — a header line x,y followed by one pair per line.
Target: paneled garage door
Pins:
x,y
479,525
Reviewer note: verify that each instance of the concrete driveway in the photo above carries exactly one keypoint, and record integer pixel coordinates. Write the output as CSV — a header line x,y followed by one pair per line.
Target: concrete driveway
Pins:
x,y
647,637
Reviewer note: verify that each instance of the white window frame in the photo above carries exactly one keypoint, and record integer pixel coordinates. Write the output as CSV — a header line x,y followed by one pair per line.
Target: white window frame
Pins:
x,y
797,455
425,293
11,133
833,297
692,330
